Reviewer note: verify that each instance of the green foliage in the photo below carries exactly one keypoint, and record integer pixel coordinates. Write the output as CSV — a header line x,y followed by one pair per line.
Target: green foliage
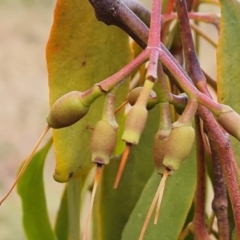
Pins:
x,y
62,222
78,56
227,72
176,203
81,52
31,190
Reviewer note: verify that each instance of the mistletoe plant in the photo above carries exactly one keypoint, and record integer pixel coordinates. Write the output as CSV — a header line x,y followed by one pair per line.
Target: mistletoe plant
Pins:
x,y
137,109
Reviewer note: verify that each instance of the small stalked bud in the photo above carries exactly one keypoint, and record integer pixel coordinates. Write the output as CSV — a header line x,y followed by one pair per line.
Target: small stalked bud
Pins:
x,y
230,121
160,141
137,116
67,110
71,107
103,142
134,94
178,145
104,136
135,124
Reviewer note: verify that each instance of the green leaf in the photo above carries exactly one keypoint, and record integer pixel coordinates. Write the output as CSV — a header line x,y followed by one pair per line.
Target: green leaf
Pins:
x,y
228,71
176,202
73,194
67,225
189,219
115,205
31,190
61,226
234,234
81,52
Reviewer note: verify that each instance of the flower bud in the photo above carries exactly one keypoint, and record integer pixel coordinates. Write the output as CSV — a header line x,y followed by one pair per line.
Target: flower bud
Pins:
x,y
134,94
67,110
103,142
178,145
230,121
135,123
160,141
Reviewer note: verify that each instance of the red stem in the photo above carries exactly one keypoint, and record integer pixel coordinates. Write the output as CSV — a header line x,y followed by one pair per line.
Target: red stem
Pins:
x,y
170,6
154,40
185,82
222,145
220,202
200,17
199,228
192,64
113,80
155,24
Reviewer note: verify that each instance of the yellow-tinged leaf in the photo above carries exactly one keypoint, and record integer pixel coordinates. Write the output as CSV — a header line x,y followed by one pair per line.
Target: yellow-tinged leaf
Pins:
x,y
228,58
81,52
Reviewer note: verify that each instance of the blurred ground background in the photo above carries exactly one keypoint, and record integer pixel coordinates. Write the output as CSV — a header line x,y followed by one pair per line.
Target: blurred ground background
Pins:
x,y
24,30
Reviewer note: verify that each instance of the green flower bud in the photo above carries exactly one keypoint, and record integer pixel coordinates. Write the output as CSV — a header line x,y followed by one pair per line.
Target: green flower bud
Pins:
x,y
160,141
230,121
67,110
134,94
178,145
135,123
103,142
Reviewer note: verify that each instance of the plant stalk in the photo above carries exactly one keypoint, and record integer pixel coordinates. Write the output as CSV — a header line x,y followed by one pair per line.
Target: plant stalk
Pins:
x,y
141,11
220,201
191,60
199,228
154,40
224,152
200,17
110,82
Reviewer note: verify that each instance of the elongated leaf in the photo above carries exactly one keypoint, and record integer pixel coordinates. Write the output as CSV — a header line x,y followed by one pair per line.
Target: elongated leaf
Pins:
x,y
68,218
177,200
61,226
115,205
73,194
234,235
81,52
31,190
228,71
228,59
